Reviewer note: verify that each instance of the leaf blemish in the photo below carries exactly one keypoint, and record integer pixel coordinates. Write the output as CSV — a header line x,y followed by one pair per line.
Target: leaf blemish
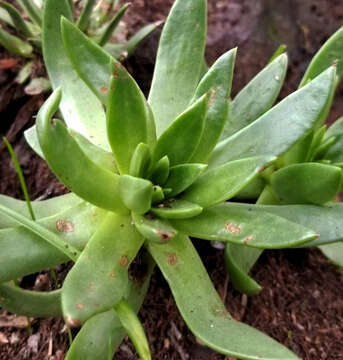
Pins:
x,y
80,306
247,239
113,275
64,226
103,90
212,96
73,322
124,261
165,235
171,259
232,228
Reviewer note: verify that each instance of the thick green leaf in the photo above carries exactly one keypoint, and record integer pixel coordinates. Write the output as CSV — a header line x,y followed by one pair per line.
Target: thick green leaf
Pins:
x,y
224,182
86,12
23,252
308,183
335,152
334,252
136,193
111,26
182,176
17,19
330,53
15,45
154,229
104,330
99,278
281,127
127,117
38,85
315,143
217,82
202,309
227,222
279,51
176,209
134,328
256,97
30,303
140,160
182,137
41,209
326,220
160,172
81,110
71,165
179,61
238,262
59,243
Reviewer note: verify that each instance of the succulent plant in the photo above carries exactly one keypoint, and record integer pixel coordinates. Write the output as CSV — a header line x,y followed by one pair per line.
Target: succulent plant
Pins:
x,y
303,183
145,175
97,19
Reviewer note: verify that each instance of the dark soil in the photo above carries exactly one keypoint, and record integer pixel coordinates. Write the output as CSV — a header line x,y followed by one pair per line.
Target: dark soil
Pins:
x,y
301,304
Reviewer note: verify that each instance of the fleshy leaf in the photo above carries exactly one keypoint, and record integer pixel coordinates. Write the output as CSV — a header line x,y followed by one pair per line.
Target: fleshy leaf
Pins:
x,y
329,54
134,328
202,309
326,220
99,278
136,193
176,209
86,12
217,82
273,133
23,252
334,252
160,171
15,45
140,160
307,183
154,229
256,97
71,165
30,303
182,176
224,182
239,260
104,329
127,117
335,152
176,77
227,222
81,110
32,10
182,137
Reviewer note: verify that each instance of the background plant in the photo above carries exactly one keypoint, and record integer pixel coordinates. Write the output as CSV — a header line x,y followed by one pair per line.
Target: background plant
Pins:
x,y
98,19
308,173
140,180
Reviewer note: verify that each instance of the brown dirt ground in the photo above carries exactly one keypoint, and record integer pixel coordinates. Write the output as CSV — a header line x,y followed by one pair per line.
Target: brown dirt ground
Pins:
x,y
301,304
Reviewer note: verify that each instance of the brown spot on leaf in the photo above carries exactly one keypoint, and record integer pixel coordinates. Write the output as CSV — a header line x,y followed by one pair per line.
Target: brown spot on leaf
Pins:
x,y
165,235
64,226
80,306
124,261
212,96
113,275
172,259
247,239
91,284
103,90
2,298
232,228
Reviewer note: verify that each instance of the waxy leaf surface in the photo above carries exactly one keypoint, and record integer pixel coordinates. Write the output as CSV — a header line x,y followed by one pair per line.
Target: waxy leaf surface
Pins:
x,y
182,137
81,110
202,309
334,252
99,277
224,182
307,183
23,252
176,209
71,165
30,303
179,61
279,128
256,97
217,82
227,222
